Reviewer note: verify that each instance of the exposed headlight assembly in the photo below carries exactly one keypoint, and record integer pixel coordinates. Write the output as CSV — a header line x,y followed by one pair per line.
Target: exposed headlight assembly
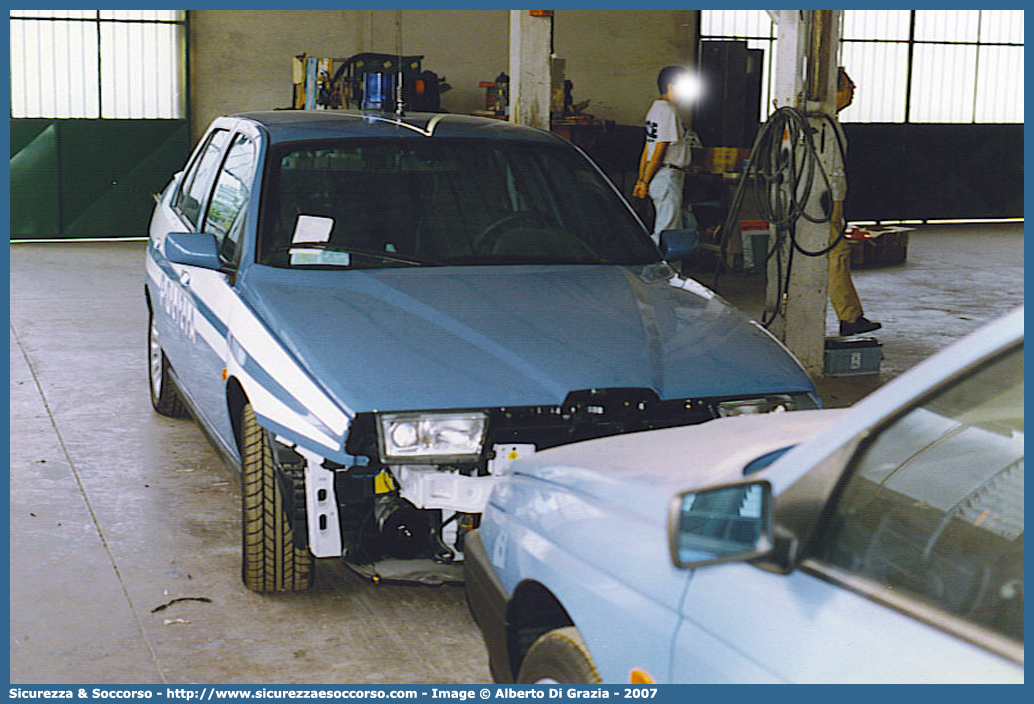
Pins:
x,y
431,437
751,406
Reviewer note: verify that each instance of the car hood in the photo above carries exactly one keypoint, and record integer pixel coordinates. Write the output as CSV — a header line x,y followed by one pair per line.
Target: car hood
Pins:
x,y
641,472
469,337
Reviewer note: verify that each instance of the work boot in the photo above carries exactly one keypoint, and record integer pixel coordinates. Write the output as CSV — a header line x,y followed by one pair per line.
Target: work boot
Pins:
x,y
858,326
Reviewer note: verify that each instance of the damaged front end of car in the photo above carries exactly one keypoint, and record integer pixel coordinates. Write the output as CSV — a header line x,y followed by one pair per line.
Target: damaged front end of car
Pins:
x,y
419,480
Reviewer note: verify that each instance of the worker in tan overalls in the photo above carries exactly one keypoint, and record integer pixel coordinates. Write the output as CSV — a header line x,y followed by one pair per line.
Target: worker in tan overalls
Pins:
x,y
842,293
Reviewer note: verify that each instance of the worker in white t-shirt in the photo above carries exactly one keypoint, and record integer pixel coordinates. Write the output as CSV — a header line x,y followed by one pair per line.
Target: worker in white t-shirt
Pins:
x,y
666,154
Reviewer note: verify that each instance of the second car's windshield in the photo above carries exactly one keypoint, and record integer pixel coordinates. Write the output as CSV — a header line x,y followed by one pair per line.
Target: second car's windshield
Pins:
x,y
409,202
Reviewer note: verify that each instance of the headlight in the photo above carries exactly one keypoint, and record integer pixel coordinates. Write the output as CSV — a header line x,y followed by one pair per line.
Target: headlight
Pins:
x,y
750,406
440,437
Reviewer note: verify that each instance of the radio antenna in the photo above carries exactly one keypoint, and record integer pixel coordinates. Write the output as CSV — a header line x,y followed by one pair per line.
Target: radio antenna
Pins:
x,y
400,106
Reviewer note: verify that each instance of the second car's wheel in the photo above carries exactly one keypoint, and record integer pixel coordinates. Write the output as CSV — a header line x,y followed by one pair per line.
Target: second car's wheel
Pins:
x,y
165,397
558,657
270,562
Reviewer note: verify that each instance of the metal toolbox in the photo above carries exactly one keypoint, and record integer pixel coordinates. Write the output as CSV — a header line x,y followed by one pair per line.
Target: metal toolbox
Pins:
x,y
852,356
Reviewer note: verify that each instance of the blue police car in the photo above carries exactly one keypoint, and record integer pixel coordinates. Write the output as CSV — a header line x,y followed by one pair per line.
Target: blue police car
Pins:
x,y
372,315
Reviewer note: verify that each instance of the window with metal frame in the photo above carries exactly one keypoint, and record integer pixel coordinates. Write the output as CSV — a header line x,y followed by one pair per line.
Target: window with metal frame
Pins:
x,y
911,66
757,29
113,64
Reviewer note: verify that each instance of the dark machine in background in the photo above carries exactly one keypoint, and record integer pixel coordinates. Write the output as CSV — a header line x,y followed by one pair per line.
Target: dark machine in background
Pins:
x,y
730,112
366,81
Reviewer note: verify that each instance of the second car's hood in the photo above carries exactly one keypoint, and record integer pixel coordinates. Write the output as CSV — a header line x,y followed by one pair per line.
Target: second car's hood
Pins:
x,y
469,337
641,472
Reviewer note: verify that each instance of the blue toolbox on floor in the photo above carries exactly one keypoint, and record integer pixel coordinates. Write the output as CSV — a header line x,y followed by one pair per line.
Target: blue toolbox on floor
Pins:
x,y
851,356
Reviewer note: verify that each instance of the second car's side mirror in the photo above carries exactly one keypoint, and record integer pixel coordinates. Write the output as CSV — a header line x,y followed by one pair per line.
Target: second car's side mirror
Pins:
x,y
193,249
678,244
721,524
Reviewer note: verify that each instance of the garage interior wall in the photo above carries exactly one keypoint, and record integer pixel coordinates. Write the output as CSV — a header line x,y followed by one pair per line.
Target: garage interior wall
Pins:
x,y
241,59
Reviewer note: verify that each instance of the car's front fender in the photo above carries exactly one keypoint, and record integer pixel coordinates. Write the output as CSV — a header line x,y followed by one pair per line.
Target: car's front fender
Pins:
x,y
608,569
285,398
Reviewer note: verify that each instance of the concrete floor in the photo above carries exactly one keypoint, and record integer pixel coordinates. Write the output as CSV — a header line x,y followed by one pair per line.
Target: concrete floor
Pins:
x,y
116,510
956,278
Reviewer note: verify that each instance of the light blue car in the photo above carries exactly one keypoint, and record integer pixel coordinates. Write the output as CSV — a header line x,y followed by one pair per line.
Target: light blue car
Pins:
x,y
373,315
879,544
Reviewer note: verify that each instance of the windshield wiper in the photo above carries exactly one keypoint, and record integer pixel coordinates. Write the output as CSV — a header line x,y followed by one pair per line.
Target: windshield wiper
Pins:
x,y
329,247
489,260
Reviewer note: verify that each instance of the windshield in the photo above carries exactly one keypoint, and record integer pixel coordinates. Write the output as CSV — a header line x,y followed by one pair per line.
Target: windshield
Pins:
x,y
376,203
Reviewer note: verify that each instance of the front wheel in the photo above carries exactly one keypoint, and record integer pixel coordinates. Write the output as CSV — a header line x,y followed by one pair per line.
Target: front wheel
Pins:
x,y
558,657
270,560
165,397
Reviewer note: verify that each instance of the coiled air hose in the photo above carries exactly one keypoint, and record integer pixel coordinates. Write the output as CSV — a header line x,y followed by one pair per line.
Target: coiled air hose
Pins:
x,y
786,165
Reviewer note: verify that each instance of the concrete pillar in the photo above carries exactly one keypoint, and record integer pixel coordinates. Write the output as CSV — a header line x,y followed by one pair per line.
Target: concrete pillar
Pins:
x,y
806,75
530,39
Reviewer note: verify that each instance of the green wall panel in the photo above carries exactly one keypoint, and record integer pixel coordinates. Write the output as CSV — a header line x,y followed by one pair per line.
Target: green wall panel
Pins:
x,y
34,182
24,131
91,178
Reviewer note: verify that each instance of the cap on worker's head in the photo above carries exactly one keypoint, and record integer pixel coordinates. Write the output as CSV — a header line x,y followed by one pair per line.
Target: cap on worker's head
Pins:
x,y
669,75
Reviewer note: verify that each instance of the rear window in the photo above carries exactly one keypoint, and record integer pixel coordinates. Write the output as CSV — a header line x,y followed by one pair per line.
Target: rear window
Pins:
x,y
198,180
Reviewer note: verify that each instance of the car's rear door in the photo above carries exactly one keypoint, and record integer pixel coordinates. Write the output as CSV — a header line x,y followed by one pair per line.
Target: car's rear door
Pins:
x,y
181,211
193,303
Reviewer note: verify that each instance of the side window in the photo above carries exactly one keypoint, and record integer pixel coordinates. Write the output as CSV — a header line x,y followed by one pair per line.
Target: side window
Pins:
x,y
198,179
933,508
226,211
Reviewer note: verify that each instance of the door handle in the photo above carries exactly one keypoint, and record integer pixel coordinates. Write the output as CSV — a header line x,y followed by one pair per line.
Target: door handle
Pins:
x,y
185,278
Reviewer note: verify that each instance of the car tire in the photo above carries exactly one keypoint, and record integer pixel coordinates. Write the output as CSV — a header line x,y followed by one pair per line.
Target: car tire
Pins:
x,y
559,657
270,560
165,397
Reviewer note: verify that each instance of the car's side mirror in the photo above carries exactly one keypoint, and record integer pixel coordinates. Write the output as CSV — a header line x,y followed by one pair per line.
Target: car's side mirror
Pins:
x,y
193,249
678,244
732,522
